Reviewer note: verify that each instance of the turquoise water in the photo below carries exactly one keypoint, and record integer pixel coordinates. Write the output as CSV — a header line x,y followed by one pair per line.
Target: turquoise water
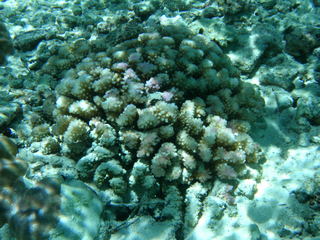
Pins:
x,y
159,119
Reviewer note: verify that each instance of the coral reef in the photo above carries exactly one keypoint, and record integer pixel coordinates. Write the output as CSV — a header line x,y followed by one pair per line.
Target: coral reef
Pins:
x,y
149,117
152,120
160,108
146,121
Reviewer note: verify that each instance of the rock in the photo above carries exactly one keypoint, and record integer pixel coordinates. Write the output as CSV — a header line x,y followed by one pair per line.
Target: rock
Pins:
x,y
246,188
284,99
80,213
300,41
27,41
254,46
280,71
255,232
145,228
6,46
143,10
8,111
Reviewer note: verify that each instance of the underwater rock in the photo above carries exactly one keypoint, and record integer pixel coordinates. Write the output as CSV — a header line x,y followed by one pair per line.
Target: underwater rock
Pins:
x,y
80,212
29,40
8,112
300,41
10,167
6,45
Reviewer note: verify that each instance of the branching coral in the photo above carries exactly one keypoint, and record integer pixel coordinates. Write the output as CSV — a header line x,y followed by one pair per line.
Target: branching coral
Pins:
x,y
155,113
127,93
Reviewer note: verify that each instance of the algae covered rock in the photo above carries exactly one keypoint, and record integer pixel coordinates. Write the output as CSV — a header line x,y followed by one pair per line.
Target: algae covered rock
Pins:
x,y
80,212
6,45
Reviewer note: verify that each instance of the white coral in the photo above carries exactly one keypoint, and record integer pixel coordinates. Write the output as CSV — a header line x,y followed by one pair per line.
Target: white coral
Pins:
x,y
128,116
83,108
147,119
77,131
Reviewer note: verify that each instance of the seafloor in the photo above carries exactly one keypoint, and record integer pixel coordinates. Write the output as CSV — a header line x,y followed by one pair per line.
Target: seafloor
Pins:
x,y
159,119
